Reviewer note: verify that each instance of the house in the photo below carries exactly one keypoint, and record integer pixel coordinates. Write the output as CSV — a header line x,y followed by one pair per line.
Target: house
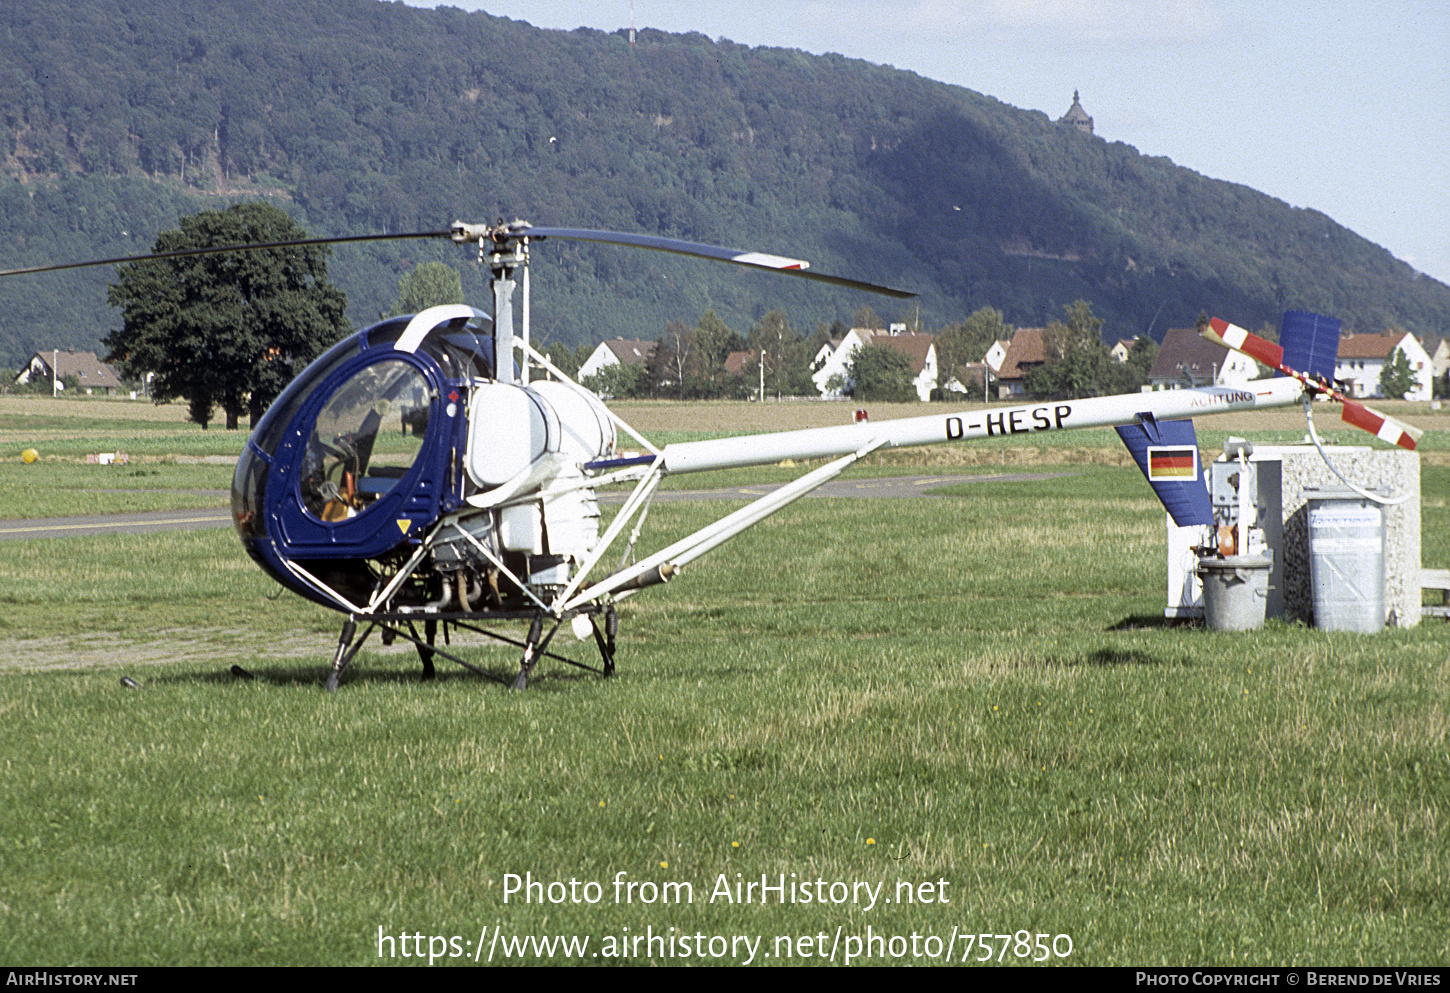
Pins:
x,y
1025,352
1123,348
735,362
838,364
1439,351
85,366
1187,359
619,351
969,382
1362,359
995,356
833,378
824,353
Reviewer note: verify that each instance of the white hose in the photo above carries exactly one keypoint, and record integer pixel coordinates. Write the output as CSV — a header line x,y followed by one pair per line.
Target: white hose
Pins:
x,y
1314,436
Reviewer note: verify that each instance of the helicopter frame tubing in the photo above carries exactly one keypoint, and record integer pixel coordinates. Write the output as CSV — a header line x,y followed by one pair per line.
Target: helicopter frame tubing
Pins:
x,y
377,615
401,624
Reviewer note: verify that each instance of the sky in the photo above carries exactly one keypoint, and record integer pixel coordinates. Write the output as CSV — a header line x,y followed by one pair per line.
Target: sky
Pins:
x,y
1341,106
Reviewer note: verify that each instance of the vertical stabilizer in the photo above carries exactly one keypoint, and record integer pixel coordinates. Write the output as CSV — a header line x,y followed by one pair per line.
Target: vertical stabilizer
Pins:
x,y
1167,455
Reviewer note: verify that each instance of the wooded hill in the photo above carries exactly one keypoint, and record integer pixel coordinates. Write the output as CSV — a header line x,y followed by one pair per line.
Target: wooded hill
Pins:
x,y
359,116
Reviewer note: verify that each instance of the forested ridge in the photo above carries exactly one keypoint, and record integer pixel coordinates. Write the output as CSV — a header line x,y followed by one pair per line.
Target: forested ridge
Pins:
x,y
358,116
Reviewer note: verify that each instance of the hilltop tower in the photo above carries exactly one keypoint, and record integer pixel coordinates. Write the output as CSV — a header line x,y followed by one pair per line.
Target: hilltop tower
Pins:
x,y
1077,117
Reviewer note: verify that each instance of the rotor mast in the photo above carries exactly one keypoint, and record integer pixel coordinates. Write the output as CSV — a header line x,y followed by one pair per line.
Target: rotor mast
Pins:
x,y
505,249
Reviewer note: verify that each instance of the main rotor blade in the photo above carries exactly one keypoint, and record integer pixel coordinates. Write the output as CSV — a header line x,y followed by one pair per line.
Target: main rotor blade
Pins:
x,y
220,249
461,232
755,260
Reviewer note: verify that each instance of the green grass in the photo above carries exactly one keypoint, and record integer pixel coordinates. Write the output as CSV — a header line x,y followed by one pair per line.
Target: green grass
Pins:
x,y
57,488
975,689
65,438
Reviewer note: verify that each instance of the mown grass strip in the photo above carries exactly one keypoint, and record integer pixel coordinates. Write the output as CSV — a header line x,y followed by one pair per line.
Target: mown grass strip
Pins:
x,y
976,689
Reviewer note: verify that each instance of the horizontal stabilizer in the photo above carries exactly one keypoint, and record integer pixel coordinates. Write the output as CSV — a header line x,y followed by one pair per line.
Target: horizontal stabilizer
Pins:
x,y
1167,455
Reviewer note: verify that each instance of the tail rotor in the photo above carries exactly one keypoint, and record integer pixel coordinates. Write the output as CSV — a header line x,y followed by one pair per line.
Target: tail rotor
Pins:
x,y
1313,340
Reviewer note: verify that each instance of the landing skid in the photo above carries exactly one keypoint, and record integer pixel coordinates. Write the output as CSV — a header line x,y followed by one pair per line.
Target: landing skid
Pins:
x,y
604,623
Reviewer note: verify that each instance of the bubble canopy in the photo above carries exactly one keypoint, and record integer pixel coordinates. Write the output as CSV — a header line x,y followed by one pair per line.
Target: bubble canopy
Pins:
x,y
353,459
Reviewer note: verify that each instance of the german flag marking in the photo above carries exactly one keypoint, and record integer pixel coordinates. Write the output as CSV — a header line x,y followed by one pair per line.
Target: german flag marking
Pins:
x,y
1172,463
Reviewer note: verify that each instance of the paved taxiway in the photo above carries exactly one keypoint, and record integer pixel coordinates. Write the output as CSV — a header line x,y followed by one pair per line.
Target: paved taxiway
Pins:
x,y
890,487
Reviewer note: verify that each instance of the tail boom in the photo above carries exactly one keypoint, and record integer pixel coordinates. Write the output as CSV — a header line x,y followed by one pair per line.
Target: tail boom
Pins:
x,y
1063,415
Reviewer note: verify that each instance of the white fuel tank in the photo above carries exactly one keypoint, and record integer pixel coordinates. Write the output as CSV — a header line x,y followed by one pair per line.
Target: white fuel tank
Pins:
x,y
587,430
511,428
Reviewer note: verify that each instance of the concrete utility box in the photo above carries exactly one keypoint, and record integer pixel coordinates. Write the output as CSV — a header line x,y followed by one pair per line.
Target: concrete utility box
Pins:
x,y
1282,475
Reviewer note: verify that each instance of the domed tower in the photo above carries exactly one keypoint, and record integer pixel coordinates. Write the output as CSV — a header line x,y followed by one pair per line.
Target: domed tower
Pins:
x,y
1077,117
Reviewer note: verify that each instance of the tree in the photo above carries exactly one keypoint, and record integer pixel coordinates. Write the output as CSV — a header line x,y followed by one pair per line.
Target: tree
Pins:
x,y
1397,378
671,359
1080,332
230,329
787,362
865,317
1078,362
1140,359
970,340
568,360
618,380
428,284
881,374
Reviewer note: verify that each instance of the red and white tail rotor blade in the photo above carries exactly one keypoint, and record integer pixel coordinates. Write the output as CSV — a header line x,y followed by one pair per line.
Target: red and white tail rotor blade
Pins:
x,y
1256,348
1382,426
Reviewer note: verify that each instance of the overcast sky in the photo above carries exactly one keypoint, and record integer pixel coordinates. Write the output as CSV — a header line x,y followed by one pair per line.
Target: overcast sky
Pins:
x,y
1339,106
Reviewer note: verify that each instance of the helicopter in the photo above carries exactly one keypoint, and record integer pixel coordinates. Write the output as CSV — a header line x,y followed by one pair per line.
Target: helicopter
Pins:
x,y
436,470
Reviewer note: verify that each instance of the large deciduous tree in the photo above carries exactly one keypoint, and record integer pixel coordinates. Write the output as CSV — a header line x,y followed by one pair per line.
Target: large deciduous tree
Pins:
x,y
882,374
230,329
428,284
1079,363
969,341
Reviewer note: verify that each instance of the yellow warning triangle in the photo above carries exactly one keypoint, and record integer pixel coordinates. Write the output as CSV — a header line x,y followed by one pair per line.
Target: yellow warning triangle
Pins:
x,y
403,523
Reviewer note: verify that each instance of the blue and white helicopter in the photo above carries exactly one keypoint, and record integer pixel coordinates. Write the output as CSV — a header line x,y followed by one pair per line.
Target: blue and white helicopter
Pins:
x,y
438,471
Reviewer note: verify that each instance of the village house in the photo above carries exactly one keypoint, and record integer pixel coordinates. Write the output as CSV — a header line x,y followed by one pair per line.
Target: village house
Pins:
x,y
1439,351
1123,349
93,374
1362,359
735,362
618,351
1187,359
995,356
1021,355
969,382
833,375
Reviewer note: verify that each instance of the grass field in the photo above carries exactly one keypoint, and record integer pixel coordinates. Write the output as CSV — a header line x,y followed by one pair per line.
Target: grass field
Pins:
x,y
966,705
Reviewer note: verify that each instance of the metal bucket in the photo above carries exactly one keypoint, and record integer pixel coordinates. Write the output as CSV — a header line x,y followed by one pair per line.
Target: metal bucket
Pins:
x,y
1235,591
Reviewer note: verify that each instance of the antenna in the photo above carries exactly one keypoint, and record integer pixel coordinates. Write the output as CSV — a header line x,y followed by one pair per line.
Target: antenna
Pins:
x,y
631,23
